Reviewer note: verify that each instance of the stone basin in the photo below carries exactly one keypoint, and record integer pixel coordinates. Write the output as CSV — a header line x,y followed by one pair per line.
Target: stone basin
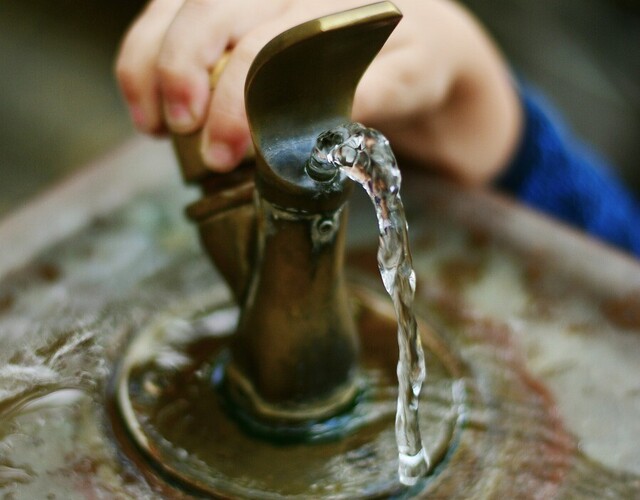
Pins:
x,y
544,325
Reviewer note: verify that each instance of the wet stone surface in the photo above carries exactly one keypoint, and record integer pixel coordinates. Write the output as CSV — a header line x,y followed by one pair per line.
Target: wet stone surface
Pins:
x,y
553,399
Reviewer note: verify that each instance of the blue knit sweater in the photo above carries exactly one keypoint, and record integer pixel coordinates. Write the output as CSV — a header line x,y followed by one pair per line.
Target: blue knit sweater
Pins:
x,y
554,172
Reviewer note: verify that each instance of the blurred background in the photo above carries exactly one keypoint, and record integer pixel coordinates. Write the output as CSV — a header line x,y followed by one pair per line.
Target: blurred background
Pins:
x,y
60,108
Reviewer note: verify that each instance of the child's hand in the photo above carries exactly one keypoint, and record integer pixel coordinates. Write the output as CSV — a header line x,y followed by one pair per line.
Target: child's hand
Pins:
x,y
438,90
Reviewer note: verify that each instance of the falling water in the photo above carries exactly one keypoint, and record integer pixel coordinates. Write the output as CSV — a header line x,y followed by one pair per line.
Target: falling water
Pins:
x,y
364,155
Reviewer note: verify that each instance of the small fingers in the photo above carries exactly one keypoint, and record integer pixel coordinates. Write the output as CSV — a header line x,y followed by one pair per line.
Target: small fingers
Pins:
x,y
193,43
164,63
226,132
136,64
200,33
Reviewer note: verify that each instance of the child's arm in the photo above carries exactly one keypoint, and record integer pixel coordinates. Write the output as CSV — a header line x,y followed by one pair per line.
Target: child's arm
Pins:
x,y
557,174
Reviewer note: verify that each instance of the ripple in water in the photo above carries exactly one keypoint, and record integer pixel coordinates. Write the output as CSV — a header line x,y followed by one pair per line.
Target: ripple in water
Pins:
x,y
364,155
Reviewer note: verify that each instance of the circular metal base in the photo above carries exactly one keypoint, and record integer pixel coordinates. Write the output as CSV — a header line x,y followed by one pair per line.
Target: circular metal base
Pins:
x,y
168,404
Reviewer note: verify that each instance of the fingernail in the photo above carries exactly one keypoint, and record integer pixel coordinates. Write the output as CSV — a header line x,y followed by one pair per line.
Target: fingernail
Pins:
x,y
179,116
137,116
218,154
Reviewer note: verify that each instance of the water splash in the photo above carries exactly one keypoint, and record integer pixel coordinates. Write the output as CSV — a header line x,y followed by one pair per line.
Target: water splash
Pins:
x,y
364,155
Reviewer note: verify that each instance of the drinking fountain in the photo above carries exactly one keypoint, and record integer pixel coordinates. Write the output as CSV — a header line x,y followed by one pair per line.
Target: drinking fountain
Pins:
x,y
294,370
132,368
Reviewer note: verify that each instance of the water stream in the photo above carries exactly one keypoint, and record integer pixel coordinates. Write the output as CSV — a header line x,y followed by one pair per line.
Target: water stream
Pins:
x,y
364,155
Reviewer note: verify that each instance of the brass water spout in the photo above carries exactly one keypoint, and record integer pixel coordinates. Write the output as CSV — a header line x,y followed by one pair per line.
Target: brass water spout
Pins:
x,y
279,242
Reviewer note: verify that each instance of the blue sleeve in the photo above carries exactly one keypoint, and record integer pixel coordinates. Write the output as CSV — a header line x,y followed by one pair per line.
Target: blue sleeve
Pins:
x,y
555,173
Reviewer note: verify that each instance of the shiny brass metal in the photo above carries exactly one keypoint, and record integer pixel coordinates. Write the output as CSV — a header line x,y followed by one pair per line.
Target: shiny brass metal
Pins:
x,y
294,356
301,84
226,224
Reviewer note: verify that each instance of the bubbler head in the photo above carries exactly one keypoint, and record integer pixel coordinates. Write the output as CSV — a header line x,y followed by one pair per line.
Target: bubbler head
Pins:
x,y
320,166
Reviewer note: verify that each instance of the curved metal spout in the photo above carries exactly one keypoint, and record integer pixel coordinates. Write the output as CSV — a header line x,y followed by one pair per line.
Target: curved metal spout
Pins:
x,y
301,84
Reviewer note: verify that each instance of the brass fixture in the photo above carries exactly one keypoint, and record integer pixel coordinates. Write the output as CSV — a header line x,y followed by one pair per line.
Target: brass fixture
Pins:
x,y
280,246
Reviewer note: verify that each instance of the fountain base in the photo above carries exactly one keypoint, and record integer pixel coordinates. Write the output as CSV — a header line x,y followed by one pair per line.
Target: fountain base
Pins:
x,y
171,406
